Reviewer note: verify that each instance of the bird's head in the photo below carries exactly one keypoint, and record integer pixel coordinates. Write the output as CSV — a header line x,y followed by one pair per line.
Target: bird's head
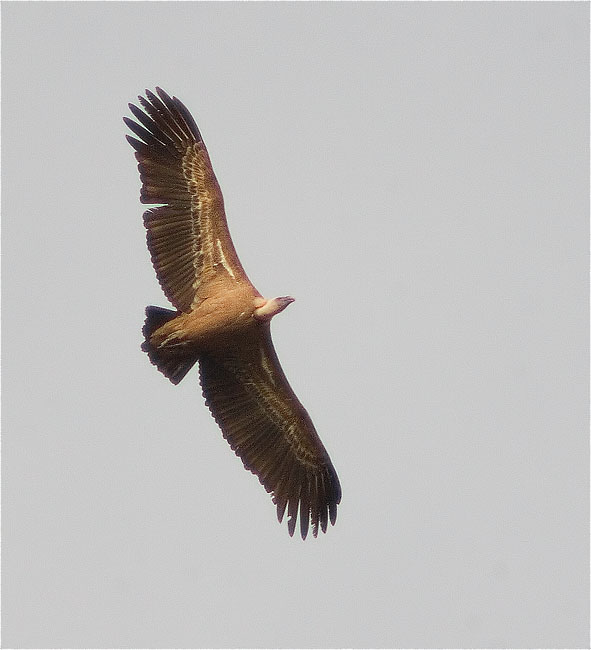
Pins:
x,y
265,309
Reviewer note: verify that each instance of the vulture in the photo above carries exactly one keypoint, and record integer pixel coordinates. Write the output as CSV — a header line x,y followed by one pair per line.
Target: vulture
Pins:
x,y
220,321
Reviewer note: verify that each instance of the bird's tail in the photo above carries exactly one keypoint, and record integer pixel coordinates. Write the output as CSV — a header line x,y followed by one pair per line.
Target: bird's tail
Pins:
x,y
172,362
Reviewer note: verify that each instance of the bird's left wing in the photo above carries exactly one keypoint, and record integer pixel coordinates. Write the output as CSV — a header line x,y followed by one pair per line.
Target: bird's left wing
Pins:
x,y
188,235
269,429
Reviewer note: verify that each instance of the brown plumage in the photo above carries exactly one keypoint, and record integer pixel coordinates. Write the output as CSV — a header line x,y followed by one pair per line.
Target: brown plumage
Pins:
x,y
221,321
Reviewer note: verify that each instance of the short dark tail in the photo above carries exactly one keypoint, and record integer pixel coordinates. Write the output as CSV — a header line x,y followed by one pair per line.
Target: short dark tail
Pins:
x,y
171,363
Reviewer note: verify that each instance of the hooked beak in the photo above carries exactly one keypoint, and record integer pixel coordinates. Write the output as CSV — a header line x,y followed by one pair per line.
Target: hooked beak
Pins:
x,y
270,308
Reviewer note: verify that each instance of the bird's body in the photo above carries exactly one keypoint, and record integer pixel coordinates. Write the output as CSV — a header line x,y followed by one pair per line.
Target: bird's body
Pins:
x,y
219,315
221,321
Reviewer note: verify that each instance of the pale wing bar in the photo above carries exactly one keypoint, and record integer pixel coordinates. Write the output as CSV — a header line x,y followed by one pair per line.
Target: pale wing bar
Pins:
x,y
269,429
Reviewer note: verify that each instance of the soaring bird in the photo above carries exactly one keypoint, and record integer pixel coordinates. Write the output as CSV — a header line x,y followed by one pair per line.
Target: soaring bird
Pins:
x,y
220,320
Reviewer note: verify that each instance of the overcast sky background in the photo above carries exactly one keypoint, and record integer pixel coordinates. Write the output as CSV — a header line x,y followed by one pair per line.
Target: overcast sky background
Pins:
x,y
416,175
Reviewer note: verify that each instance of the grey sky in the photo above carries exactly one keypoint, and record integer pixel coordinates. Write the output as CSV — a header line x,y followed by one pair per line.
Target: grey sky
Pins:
x,y
416,175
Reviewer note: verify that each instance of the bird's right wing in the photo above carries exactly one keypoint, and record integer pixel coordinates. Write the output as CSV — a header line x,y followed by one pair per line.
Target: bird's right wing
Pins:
x,y
188,235
266,425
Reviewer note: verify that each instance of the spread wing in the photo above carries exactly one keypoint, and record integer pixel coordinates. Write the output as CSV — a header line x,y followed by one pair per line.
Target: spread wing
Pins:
x,y
188,236
266,425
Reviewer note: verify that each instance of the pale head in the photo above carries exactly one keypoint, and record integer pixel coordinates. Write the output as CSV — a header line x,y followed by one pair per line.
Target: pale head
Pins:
x,y
266,308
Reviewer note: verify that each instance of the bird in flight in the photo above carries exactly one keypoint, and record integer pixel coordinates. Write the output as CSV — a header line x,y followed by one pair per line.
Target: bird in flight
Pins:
x,y
220,320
